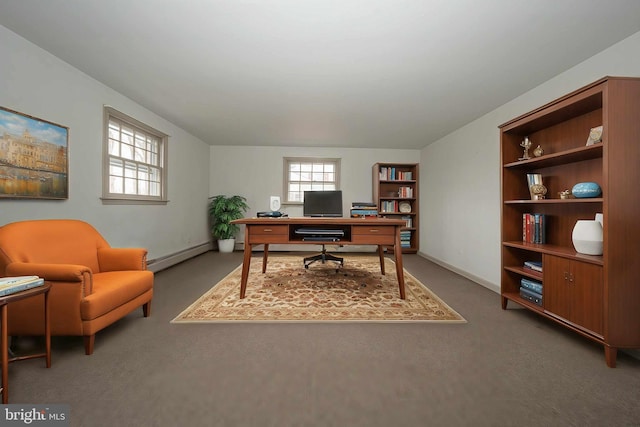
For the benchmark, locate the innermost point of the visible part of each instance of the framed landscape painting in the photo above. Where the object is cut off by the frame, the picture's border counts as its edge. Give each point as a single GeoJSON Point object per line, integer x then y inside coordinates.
{"type": "Point", "coordinates": [33, 157]}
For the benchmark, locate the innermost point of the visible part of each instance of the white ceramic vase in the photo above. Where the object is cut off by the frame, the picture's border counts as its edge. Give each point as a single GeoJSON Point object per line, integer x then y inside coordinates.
{"type": "Point", "coordinates": [226, 245]}
{"type": "Point", "coordinates": [587, 237]}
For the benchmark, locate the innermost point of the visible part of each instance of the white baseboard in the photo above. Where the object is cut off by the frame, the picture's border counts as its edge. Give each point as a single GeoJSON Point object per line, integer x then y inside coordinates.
{"type": "Point", "coordinates": [161, 263]}
{"type": "Point", "coordinates": [491, 286]}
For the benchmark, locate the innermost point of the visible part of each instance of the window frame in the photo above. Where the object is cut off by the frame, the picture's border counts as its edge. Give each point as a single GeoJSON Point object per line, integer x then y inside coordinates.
{"type": "Point", "coordinates": [324, 160]}
{"type": "Point", "coordinates": [108, 197]}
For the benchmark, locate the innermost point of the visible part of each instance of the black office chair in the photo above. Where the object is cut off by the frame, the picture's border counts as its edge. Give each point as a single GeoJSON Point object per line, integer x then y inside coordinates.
{"type": "Point", "coordinates": [324, 257]}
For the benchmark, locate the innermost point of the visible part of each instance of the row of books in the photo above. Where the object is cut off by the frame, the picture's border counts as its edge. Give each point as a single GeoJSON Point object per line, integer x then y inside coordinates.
{"type": "Point", "coordinates": [409, 220]}
{"type": "Point", "coordinates": [405, 192]}
{"type": "Point", "coordinates": [531, 291]}
{"type": "Point", "coordinates": [389, 206]}
{"type": "Point", "coordinates": [391, 174]}
{"type": "Point", "coordinates": [12, 285]}
{"type": "Point", "coordinates": [405, 239]}
{"type": "Point", "coordinates": [364, 210]}
{"type": "Point", "coordinates": [534, 228]}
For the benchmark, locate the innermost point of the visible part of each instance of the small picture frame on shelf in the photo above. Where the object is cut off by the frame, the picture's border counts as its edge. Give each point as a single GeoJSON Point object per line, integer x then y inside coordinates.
{"type": "Point", "coordinates": [595, 135]}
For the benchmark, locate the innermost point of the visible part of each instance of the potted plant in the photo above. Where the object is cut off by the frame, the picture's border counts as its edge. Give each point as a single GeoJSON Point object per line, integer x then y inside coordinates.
{"type": "Point", "coordinates": [223, 210]}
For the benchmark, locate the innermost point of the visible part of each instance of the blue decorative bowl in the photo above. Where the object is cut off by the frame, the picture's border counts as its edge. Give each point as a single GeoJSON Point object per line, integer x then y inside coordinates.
{"type": "Point", "coordinates": [584, 190]}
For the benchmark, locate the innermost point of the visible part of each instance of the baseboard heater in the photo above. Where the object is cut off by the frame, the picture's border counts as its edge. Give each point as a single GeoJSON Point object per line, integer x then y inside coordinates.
{"type": "Point", "coordinates": [158, 264]}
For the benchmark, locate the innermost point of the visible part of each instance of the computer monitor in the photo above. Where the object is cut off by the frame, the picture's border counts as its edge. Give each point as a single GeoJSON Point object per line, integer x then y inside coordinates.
{"type": "Point", "coordinates": [323, 203]}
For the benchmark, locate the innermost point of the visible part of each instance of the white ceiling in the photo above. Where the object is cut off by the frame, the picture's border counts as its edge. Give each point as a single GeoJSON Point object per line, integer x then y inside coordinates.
{"type": "Point", "coordinates": [336, 73]}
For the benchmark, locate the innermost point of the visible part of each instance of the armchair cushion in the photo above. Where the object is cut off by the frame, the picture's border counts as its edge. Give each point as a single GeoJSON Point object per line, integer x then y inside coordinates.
{"type": "Point", "coordinates": [107, 297]}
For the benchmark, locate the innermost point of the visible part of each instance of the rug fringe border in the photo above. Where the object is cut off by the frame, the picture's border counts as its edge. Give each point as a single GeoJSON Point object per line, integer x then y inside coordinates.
{"type": "Point", "coordinates": [319, 321]}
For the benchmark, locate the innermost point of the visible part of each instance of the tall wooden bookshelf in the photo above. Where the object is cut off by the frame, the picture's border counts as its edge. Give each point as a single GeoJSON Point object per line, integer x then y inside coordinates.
{"type": "Point", "coordinates": [395, 190]}
{"type": "Point", "coordinates": [595, 296]}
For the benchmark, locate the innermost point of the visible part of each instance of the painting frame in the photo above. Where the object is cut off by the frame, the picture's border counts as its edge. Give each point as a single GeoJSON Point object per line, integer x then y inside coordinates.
{"type": "Point", "coordinates": [34, 157]}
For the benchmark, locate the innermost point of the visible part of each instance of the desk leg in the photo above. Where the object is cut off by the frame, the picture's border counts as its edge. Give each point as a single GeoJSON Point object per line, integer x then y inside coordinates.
{"type": "Point", "coordinates": [265, 255]}
{"type": "Point", "coordinates": [246, 263]}
{"type": "Point", "coordinates": [5, 356]}
{"type": "Point", "coordinates": [381, 255]}
{"type": "Point", "coordinates": [397, 250]}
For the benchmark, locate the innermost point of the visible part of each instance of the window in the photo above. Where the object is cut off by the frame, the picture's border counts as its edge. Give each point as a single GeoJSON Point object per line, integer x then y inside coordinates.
{"type": "Point", "coordinates": [301, 174]}
{"type": "Point", "coordinates": [135, 163]}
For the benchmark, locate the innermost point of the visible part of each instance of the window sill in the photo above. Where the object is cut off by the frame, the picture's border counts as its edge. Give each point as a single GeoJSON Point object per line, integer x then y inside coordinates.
{"type": "Point", "coordinates": [116, 201]}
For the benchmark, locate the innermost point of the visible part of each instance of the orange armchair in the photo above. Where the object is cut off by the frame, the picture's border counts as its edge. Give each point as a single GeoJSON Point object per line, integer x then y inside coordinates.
{"type": "Point", "coordinates": [92, 284]}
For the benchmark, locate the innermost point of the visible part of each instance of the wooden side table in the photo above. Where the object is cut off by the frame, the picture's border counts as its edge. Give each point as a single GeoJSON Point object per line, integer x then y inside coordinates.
{"type": "Point", "coordinates": [4, 339]}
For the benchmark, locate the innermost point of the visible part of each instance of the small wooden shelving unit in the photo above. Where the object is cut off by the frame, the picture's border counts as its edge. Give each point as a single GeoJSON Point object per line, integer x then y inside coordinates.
{"type": "Point", "coordinates": [395, 190]}
{"type": "Point", "coordinates": [598, 297]}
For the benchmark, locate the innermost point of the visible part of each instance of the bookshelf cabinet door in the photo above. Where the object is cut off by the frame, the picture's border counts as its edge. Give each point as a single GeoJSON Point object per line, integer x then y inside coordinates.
{"type": "Point", "coordinates": [573, 290]}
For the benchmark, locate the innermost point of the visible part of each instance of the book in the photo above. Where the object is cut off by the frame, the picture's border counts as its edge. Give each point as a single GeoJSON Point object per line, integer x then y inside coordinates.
{"type": "Point", "coordinates": [15, 280]}
{"type": "Point", "coordinates": [531, 285]}
{"type": "Point", "coordinates": [364, 212]}
{"type": "Point", "coordinates": [363, 205]}
{"type": "Point", "coordinates": [12, 285]}
{"type": "Point", "coordinates": [534, 265]}
{"type": "Point", "coordinates": [526, 227]}
{"type": "Point", "coordinates": [531, 296]}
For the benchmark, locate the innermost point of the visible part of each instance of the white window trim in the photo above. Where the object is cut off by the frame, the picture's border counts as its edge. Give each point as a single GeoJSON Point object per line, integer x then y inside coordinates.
{"type": "Point", "coordinates": [126, 199]}
{"type": "Point", "coordinates": [287, 160]}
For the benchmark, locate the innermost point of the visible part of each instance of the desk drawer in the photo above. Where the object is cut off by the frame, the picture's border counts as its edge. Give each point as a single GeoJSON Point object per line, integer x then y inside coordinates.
{"type": "Point", "coordinates": [373, 234]}
{"type": "Point", "coordinates": [268, 234]}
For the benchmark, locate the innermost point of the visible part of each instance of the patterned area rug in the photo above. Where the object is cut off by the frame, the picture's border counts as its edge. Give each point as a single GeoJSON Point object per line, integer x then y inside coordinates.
{"type": "Point", "coordinates": [358, 292]}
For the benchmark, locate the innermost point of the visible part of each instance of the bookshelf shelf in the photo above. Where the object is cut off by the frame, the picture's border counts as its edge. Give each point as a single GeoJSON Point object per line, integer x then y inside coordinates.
{"type": "Point", "coordinates": [525, 272]}
{"type": "Point", "coordinates": [395, 190]}
{"type": "Point", "coordinates": [512, 296]}
{"type": "Point", "coordinates": [594, 296]}
{"type": "Point", "coordinates": [555, 250]}
{"type": "Point", "coordinates": [553, 201]}
{"type": "Point", "coordinates": [568, 156]}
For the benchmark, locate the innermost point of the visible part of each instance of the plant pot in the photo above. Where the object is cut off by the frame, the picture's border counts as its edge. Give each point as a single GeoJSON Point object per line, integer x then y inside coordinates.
{"type": "Point", "coordinates": [226, 245]}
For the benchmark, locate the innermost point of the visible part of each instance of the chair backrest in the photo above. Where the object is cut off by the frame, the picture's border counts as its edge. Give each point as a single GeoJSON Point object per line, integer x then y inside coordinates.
{"type": "Point", "coordinates": [55, 241]}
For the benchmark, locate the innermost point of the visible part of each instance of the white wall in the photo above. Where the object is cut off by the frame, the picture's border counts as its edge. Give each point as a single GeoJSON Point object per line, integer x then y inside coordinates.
{"type": "Point", "coordinates": [460, 173]}
{"type": "Point", "coordinates": [38, 84]}
{"type": "Point", "coordinates": [257, 172]}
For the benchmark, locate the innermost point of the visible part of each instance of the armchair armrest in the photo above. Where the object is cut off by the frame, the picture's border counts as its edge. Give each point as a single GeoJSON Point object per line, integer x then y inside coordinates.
{"type": "Point", "coordinates": [122, 259]}
{"type": "Point", "coordinates": [72, 273]}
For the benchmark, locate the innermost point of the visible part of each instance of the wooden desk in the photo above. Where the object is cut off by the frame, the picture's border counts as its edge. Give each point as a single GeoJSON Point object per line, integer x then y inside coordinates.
{"type": "Point", "coordinates": [4, 339]}
{"type": "Point", "coordinates": [356, 231]}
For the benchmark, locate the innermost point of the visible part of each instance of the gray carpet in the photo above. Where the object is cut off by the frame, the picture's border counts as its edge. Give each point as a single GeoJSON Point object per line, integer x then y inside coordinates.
{"type": "Point", "coordinates": [502, 368]}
